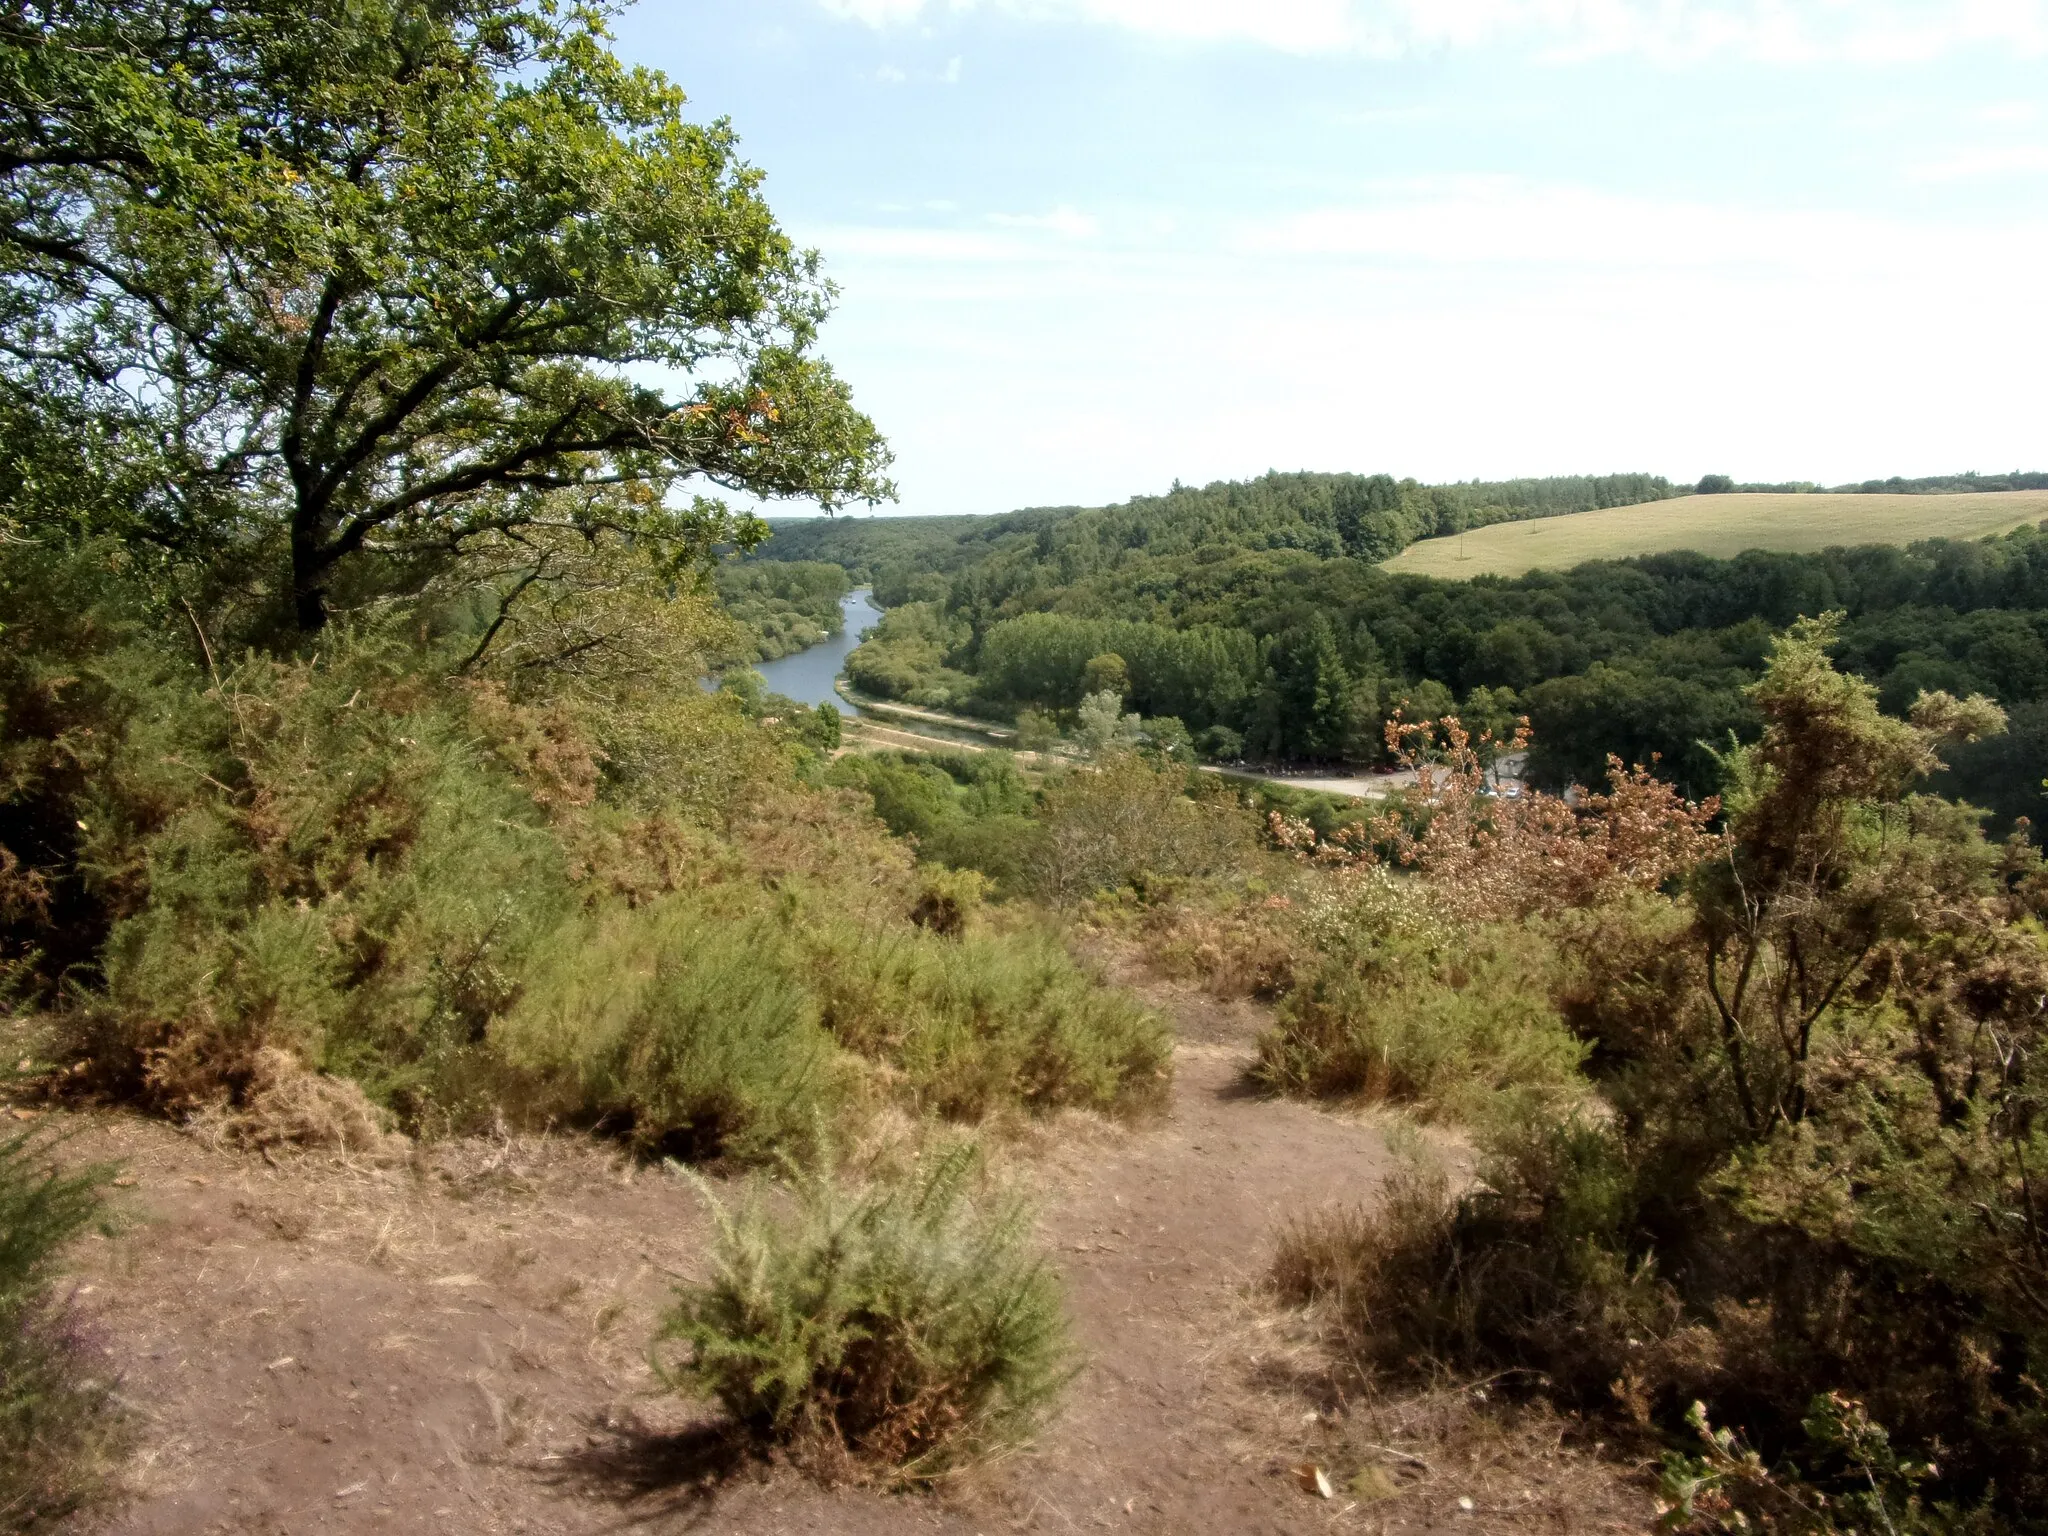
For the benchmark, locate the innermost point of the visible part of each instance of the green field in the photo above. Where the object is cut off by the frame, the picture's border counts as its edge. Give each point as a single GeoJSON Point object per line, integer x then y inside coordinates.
{"type": "Point", "coordinates": [1720, 526]}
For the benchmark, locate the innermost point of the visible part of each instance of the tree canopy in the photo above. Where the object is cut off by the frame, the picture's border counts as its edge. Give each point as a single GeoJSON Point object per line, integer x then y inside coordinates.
{"type": "Point", "coordinates": [331, 294]}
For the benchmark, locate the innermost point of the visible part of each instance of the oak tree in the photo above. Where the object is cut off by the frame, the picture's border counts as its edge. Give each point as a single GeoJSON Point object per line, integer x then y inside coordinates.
{"type": "Point", "coordinates": [334, 290]}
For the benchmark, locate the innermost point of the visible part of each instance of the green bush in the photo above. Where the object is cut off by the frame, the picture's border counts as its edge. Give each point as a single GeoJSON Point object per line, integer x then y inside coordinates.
{"type": "Point", "coordinates": [1405, 1006]}
{"type": "Point", "coordinates": [1130, 822]}
{"type": "Point", "coordinates": [687, 1028]}
{"type": "Point", "coordinates": [987, 1019]}
{"type": "Point", "coordinates": [719, 1024]}
{"type": "Point", "coordinates": [899, 1324]}
{"type": "Point", "coordinates": [58, 1428]}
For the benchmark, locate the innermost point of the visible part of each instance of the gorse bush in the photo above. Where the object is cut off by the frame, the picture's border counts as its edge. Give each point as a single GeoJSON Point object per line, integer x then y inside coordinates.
{"type": "Point", "coordinates": [688, 1029]}
{"type": "Point", "coordinates": [320, 858]}
{"type": "Point", "coordinates": [602, 897]}
{"type": "Point", "coordinates": [58, 1427]}
{"type": "Point", "coordinates": [904, 1324]}
{"type": "Point", "coordinates": [1812, 1171]}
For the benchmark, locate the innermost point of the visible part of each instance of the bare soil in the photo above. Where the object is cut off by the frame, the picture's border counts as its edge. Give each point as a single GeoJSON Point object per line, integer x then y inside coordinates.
{"type": "Point", "coordinates": [453, 1341]}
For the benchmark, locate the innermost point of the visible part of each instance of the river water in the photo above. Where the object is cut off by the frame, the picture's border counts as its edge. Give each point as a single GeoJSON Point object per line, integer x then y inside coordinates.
{"type": "Point", "coordinates": [807, 675]}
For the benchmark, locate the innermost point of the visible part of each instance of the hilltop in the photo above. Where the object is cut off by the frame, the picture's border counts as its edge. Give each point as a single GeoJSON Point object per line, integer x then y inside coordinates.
{"type": "Point", "coordinates": [1721, 526]}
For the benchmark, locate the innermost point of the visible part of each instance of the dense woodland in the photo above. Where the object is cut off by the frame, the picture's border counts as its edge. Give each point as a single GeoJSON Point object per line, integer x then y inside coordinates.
{"type": "Point", "coordinates": [1369, 516]}
{"type": "Point", "coordinates": [1245, 618]}
{"type": "Point", "coordinates": [784, 605]}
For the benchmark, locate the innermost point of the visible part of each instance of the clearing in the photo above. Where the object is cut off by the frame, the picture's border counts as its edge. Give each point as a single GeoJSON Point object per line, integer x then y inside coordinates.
{"type": "Point", "coordinates": [1720, 526]}
{"type": "Point", "coordinates": [455, 1342]}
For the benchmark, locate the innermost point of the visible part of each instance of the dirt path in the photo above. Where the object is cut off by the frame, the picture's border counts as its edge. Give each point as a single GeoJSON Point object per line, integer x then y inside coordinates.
{"type": "Point", "coordinates": [455, 1344]}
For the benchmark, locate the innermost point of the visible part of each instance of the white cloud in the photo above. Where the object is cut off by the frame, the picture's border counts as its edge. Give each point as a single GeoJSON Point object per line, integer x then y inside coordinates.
{"type": "Point", "coordinates": [877, 13]}
{"type": "Point", "coordinates": [950, 75]}
{"type": "Point", "coordinates": [1781, 31]}
{"type": "Point", "coordinates": [1443, 328]}
{"type": "Point", "coordinates": [1071, 222]}
{"type": "Point", "coordinates": [889, 74]}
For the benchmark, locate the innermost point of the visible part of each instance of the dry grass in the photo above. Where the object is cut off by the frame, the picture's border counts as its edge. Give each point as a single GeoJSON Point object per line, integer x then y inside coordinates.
{"type": "Point", "coordinates": [1477, 1454]}
{"type": "Point", "coordinates": [1721, 526]}
{"type": "Point", "coordinates": [286, 1105]}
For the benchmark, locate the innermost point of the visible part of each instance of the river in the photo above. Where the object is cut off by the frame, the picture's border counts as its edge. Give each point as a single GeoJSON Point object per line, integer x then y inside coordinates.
{"type": "Point", "coordinates": [807, 675]}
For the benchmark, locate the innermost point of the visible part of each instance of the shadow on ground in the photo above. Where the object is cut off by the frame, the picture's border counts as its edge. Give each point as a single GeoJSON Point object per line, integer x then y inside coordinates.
{"type": "Point", "coordinates": [654, 1475]}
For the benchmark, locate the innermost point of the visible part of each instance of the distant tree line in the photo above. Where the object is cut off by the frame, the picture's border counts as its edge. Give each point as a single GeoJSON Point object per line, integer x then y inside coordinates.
{"type": "Point", "coordinates": [1291, 654]}
{"type": "Point", "coordinates": [1929, 485]}
{"type": "Point", "coordinates": [1942, 485]}
{"type": "Point", "coordinates": [1369, 516]}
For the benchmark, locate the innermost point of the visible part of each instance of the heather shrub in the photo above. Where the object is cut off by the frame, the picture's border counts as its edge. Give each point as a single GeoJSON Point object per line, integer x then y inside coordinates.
{"type": "Point", "coordinates": [904, 1327]}
{"type": "Point", "coordinates": [59, 1430]}
{"type": "Point", "coordinates": [1467, 1033]}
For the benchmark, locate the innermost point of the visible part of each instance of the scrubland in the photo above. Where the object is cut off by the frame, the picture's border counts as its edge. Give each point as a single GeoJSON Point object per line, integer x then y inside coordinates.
{"type": "Point", "coordinates": [1703, 1126]}
{"type": "Point", "coordinates": [462, 1074]}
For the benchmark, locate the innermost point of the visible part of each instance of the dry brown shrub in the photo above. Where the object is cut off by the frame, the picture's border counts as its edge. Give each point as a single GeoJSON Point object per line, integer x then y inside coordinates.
{"type": "Point", "coordinates": [284, 1104]}
{"type": "Point", "coordinates": [542, 744]}
{"type": "Point", "coordinates": [1493, 856]}
{"type": "Point", "coordinates": [1245, 950]}
{"type": "Point", "coordinates": [24, 894]}
{"type": "Point", "coordinates": [1373, 1273]}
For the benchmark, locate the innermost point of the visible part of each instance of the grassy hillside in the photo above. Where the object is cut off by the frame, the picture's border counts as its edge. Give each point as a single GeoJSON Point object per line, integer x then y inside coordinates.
{"type": "Point", "coordinates": [1720, 526]}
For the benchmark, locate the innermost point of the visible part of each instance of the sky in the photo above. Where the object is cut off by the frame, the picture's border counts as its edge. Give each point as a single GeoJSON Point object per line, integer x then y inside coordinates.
{"type": "Point", "coordinates": [1090, 247]}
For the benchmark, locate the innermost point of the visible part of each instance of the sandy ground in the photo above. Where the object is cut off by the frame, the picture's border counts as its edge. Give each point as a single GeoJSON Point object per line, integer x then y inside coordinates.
{"type": "Point", "coordinates": [454, 1342]}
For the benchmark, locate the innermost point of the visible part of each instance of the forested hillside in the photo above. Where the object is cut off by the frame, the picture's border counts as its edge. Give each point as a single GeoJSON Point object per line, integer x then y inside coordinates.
{"type": "Point", "coordinates": [872, 548]}
{"type": "Point", "coordinates": [785, 605]}
{"type": "Point", "coordinates": [1293, 653]}
{"type": "Point", "coordinates": [1372, 516]}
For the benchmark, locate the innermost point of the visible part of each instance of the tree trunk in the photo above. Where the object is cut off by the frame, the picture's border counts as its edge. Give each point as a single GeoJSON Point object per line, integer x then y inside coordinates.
{"type": "Point", "coordinates": [309, 588]}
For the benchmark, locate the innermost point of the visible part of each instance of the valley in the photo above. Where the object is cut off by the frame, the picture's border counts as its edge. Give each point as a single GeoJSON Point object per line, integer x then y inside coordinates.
{"type": "Point", "coordinates": [560, 972]}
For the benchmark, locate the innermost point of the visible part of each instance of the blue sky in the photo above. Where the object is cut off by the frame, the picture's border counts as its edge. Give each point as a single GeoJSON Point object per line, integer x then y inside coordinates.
{"type": "Point", "coordinates": [1088, 247]}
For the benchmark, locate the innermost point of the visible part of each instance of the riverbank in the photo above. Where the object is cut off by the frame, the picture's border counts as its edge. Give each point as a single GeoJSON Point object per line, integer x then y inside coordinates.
{"type": "Point", "coordinates": [811, 675]}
